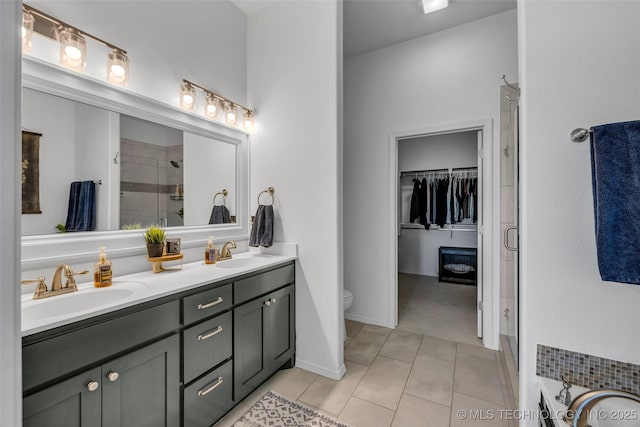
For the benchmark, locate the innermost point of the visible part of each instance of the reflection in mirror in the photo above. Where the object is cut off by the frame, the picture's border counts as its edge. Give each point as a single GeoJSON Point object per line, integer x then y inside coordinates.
{"type": "Point", "coordinates": [151, 174]}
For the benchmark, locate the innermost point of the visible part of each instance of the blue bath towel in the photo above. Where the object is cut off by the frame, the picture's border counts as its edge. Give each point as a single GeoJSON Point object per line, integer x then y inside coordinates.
{"type": "Point", "coordinates": [81, 215]}
{"type": "Point", "coordinates": [615, 169]}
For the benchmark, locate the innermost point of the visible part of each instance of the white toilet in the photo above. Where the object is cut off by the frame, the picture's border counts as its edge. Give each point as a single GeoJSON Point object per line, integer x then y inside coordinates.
{"type": "Point", "coordinates": [348, 301]}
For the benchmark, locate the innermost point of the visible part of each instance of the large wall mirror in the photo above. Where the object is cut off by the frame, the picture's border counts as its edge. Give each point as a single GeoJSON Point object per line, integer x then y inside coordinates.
{"type": "Point", "coordinates": [145, 163]}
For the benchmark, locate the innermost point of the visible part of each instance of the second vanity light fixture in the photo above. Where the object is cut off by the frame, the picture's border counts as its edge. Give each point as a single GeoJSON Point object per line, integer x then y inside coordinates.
{"type": "Point", "coordinates": [214, 104]}
{"type": "Point", "coordinates": [73, 44]}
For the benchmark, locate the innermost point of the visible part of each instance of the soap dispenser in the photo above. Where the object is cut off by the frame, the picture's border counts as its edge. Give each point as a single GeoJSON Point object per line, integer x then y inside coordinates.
{"type": "Point", "coordinates": [102, 274]}
{"type": "Point", "coordinates": [210, 253]}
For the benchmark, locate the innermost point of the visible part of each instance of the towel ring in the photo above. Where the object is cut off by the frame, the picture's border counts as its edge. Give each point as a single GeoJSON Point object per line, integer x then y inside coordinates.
{"type": "Point", "coordinates": [269, 191]}
{"type": "Point", "coordinates": [222, 193]}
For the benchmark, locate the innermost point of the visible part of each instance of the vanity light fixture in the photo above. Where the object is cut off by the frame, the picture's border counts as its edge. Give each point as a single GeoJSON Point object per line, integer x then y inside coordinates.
{"type": "Point", "coordinates": [213, 104]}
{"type": "Point", "coordinates": [27, 31]}
{"type": "Point", "coordinates": [230, 113]}
{"type": "Point", "coordinates": [73, 44]}
{"type": "Point", "coordinates": [188, 96]}
{"type": "Point", "coordinates": [429, 6]}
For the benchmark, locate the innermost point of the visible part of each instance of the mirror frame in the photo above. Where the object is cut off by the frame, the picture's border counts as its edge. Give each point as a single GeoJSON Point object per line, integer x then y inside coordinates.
{"type": "Point", "coordinates": [49, 250]}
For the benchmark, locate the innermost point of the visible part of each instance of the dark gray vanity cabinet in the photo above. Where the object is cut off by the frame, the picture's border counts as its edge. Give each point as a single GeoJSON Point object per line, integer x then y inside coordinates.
{"type": "Point", "coordinates": [264, 339]}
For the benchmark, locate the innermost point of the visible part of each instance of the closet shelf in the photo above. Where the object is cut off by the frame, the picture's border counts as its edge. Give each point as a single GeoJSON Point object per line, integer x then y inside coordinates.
{"type": "Point", "coordinates": [447, 227]}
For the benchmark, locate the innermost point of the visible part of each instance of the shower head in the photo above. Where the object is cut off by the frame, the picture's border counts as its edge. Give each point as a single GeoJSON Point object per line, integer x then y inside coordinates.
{"type": "Point", "coordinates": [176, 163]}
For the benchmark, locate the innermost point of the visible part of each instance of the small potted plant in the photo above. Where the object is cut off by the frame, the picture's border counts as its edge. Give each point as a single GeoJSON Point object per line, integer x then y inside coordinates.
{"type": "Point", "coordinates": [155, 237]}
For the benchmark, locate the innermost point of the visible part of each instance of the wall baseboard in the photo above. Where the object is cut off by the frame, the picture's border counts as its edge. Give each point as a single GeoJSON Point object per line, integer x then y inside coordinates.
{"type": "Point", "coordinates": [369, 320]}
{"type": "Point", "coordinates": [321, 370]}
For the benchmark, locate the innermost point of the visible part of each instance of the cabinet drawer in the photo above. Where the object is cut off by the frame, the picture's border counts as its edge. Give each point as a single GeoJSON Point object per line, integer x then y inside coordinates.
{"type": "Point", "coordinates": [261, 284]}
{"type": "Point", "coordinates": [207, 303]}
{"type": "Point", "coordinates": [52, 358]}
{"type": "Point", "coordinates": [207, 344]}
{"type": "Point", "coordinates": [209, 398]}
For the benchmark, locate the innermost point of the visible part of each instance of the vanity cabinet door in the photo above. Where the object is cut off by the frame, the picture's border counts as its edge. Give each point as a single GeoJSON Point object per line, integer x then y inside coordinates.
{"type": "Point", "coordinates": [71, 403]}
{"type": "Point", "coordinates": [264, 338]}
{"type": "Point", "coordinates": [142, 388]}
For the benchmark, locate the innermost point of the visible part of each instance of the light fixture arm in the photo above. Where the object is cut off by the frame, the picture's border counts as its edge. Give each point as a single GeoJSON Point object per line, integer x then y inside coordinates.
{"type": "Point", "coordinates": [59, 23]}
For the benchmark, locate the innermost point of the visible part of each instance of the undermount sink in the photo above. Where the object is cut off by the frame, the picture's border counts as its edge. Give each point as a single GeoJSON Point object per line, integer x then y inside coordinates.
{"type": "Point", "coordinates": [86, 298]}
{"type": "Point", "coordinates": [615, 412]}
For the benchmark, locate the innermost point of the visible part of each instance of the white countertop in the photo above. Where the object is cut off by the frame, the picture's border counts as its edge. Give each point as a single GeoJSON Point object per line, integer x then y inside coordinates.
{"type": "Point", "coordinates": [550, 389]}
{"type": "Point", "coordinates": [143, 287]}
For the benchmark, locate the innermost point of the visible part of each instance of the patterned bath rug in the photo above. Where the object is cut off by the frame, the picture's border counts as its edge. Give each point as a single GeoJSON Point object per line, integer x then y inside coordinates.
{"type": "Point", "coordinates": [274, 410]}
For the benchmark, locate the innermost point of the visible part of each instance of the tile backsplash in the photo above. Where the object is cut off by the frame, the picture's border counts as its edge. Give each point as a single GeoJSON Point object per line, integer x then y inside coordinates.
{"type": "Point", "coordinates": [586, 370]}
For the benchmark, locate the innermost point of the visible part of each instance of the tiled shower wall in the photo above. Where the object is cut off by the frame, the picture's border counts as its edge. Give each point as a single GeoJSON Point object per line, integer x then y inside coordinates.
{"type": "Point", "coordinates": [586, 370]}
{"type": "Point", "coordinates": [148, 180]}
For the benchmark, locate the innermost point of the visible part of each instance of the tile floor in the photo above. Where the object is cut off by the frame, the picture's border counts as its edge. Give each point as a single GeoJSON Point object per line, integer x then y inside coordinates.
{"type": "Point", "coordinates": [397, 378]}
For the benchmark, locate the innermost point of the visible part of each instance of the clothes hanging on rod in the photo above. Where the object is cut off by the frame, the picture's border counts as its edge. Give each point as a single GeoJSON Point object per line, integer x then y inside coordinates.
{"type": "Point", "coordinates": [443, 197]}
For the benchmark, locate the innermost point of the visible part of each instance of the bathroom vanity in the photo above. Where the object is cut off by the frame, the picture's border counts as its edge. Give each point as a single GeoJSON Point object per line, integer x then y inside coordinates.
{"type": "Point", "coordinates": [183, 352]}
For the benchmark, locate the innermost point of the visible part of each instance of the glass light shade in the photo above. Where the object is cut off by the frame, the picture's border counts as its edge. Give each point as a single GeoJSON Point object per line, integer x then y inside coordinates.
{"type": "Point", "coordinates": [118, 68]}
{"type": "Point", "coordinates": [73, 50]}
{"type": "Point", "coordinates": [429, 6]}
{"type": "Point", "coordinates": [187, 96]}
{"type": "Point", "coordinates": [248, 121]}
{"type": "Point", "coordinates": [211, 108]}
{"type": "Point", "coordinates": [27, 31]}
{"type": "Point", "coordinates": [230, 113]}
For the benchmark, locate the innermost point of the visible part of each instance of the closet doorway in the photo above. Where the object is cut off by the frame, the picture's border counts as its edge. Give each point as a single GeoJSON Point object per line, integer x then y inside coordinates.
{"type": "Point", "coordinates": [440, 212]}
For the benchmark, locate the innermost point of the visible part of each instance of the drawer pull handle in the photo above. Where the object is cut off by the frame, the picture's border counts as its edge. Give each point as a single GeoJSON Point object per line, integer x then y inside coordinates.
{"type": "Point", "coordinates": [209, 334]}
{"type": "Point", "coordinates": [210, 304]}
{"type": "Point", "coordinates": [93, 386]}
{"type": "Point", "coordinates": [208, 389]}
{"type": "Point", "coordinates": [113, 376]}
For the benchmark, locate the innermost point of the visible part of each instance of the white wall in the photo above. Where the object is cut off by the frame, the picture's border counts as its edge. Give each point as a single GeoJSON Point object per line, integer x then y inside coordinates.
{"type": "Point", "coordinates": [579, 68]}
{"type": "Point", "coordinates": [293, 79]}
{"type": "Point", "coordinates": [10, 154]}
{"type": "Point", "coordinates": [151, 133]}
{"type": "Point", "coordinates": [166, 41]}
{"type": "Point", "coordinates": [444, 78]}
{"type": "Point", "coordinates": [418, 248]}
{"type": "Point", "coordinates": [210, 166]}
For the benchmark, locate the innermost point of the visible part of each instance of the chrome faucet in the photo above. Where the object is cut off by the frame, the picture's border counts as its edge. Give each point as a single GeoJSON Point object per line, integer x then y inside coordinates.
{"type": "Point", "coordinates": [225, 253]}
{"type": "Point", "coordinates": [56, 286]}
{"type": "Point", "coordinates": [578, 412]}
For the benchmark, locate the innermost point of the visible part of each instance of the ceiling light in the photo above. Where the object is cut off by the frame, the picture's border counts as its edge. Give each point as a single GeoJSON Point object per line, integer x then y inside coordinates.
{"type": "Point", "coordinates": [211, 106]}
{"type": "Point", "coordinates": [73, 49]}
{"type": "Point", "coordinates": [429, 6]}
{"type": "Point", "coordinates": [27, 31]}
{"type": "Point", "coordinates": [187, 96]}
{"type": "Point", "coordinates": [118, 68]}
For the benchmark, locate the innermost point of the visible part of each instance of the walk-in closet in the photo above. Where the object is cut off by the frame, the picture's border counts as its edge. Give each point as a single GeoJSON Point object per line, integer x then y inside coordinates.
{"type": "Point", "coordinates": [439, 207]}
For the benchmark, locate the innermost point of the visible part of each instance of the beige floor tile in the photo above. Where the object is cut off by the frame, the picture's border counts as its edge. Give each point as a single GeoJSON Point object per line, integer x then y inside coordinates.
{"type": "Point", "coordinates": [384, 382]}
{"type": "Point", "coordinates": [468, 411]}
{"type": "Point", "coordinates": [438, 348]}
{"type": "Point", "coordinates": [364, 347]}
{"type": "Point", "coordinates": [291, 383]}
{"type": "Point", "coordinates": [415, 412]}
{"type": "Point", "coordinates": [431, 379]}
{"type": "Point", "coordinates": [377, 330]}
{"type": "Point", "coordinates": [353, 328]}
{"type": "Point", "coordinates": [474, 350]}
{"type": "Point", "coordinates": [233, 416]}
{"type": "Point", "coordinates": [331, 396]}
{"type": "Point", "coordinates": [401, 345]}
{"type": "Point", "coordinates": [478, 377]}
{"type": "Point", "coordinates": [360, 413]}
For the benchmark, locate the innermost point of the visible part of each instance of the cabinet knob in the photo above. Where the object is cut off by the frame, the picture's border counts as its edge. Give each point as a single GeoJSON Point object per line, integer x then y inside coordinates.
{"type": "Point", "coordinates": [113, 376]}
{"type": "Point", "coordinates": [267, 303]}
{"type": "Point", "coordinates": [93, 385]}
{"type": "Point", "coordinates": [273, 300]}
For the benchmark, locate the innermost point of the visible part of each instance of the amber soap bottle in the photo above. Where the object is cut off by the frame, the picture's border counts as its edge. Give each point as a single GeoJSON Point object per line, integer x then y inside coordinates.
{"type": "Point", "coordinates": [102, 274]}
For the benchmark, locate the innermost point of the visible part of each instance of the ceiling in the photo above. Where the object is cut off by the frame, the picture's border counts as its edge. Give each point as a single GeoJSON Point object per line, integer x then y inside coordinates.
{"type": "Point", "coordinates": [374, 24]}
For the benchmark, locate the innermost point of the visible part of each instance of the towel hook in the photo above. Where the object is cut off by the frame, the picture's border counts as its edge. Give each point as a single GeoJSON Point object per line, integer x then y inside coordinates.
{"type": "Point", "coordinates": [222, 193]}
{"type": "Point", "coordinates": [269, 191]}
